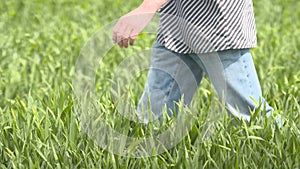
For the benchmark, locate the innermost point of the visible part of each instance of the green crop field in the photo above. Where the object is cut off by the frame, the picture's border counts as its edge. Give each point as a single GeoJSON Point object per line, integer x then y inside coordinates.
{"type": "Point", "coordinates": [40, 45]}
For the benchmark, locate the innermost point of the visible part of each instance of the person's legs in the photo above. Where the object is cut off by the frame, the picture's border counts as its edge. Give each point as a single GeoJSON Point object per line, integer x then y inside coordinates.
{"type": "Point", "coordinates": [236, 81]}
{"type": "Point", "coordinates": [171, 76]}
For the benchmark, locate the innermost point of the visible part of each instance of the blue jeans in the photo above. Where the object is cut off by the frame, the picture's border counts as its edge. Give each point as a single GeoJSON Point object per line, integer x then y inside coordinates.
{"type": "Point", "coordinates": [173, 76]}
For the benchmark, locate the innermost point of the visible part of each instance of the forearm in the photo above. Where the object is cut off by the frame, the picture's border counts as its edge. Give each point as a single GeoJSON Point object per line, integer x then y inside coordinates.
{"type": "Point", "coordinates": [153, 5]}
{"type": "Point", "coordinates": [130, 25]}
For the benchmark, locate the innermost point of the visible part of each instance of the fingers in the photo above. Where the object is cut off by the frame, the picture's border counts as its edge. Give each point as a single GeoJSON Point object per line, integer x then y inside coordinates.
{"type": "Point", "coordinates": [132, 39]}
{"type": "Point", "coordinates": [121, 39]}
{"type": "Point", "coordinates": [121, 34]}
{"type": "Point", "coordinates": [130, 25]}
{"type": "Point", "coordinates": [126, 36]}
{"type": "Point", "coordinates": [120, 42]}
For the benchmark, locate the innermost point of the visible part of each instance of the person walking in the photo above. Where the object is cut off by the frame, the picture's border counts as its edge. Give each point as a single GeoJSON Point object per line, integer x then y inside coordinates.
{"type": "Point", "coordinates": [197, 37]}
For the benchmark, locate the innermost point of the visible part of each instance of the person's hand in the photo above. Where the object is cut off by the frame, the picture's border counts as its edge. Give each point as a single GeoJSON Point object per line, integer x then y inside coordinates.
{"type": "Point", "coordinates": [130, 25]}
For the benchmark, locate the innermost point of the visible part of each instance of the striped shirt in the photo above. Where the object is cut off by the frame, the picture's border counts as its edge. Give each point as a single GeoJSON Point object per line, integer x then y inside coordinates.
{"type": "Point", "coordinates": [201, 26]}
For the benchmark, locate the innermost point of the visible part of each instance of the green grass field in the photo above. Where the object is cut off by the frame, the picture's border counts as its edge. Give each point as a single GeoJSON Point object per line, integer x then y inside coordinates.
{"type": "Point", "coordinates": [40, 41]}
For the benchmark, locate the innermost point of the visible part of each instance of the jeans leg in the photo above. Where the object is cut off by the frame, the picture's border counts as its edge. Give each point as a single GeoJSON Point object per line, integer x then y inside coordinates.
{"type": "Point", "coordinates": [171, 76]}
{"type": "Point", "coordinates": [238, 83]}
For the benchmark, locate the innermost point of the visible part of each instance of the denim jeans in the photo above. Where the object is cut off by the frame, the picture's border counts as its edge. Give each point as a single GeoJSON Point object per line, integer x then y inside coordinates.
{"type": "Point", "coordinates": [173, 76]}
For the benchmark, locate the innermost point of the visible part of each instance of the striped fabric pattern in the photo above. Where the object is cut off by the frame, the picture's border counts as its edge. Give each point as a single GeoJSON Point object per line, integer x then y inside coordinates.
{"type": "Point", "coordinates": [202, 26]}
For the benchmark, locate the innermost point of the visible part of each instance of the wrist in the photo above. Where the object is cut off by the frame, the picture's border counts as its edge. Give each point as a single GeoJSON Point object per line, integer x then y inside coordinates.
{"type": "Point", "coordinates": [152, 5]}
